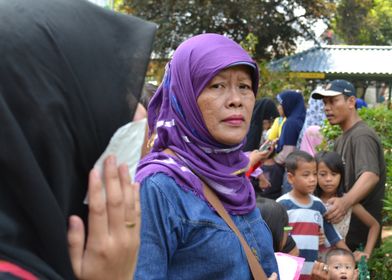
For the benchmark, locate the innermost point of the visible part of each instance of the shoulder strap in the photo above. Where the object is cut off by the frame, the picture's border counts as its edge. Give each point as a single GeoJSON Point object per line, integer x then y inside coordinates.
{"type": "Point", "coordinates": [255, 267]}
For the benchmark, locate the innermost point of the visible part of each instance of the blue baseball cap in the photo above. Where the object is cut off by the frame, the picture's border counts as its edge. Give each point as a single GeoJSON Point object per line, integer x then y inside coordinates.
{"type": "Point", "coordinates": [335, 88]}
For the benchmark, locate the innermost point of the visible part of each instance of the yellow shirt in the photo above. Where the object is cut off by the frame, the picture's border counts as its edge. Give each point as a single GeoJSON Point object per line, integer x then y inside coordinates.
{"type": "Point", "coordinates": [276, 128]}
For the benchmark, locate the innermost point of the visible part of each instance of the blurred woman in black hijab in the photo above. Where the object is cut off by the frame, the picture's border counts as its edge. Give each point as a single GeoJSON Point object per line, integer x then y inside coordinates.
{"type": "Point", "coordinates": [66, 69]}
{"type": "Point", "coordinates": [265, 109]}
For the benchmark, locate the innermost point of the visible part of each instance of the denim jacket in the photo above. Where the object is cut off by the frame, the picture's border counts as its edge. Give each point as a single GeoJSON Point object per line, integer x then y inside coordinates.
{"type": "Point", "coordinates": [182, 238]}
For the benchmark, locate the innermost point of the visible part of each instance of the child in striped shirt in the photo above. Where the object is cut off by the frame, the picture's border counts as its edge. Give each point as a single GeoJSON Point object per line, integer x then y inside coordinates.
{"type": "Point", "coordinates": [306, 211]}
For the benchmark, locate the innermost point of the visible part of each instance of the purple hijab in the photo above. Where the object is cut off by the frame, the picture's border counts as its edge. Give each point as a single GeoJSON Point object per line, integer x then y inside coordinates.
{"type": "Point", "coordinates": [174, 115]}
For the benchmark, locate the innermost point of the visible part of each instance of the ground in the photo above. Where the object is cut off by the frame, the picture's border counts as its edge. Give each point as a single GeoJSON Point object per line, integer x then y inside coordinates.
{"type": "Point", "coordinates": [386, 231]}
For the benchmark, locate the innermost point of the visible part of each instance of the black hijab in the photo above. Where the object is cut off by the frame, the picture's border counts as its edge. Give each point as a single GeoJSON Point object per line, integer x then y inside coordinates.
{"type": "Point", "coordinates": [265, 109]}
{"type": "Point", "coordinates": [66, 70]}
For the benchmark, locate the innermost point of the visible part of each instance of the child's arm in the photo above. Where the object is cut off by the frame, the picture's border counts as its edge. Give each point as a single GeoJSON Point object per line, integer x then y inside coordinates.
{"type": "Point", "coordinates": [334, 237]}
{"type": "Point", "coordinates": [374, 230]}
{"type": "Point", "coordinates": [342, 245]}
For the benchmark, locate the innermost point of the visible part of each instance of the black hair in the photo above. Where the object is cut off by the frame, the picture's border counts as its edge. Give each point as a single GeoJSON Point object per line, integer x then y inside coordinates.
{"type": "Point", "coordinates": [293, 158]}
{"type": "Point", "coordinates": [335, 163]}
{"type": "Point", "coordinates": [275, 216]}
{"type": "Point", "coordinates": [147, 93]}
{"type": "Point", "coordinates": [338, 252]}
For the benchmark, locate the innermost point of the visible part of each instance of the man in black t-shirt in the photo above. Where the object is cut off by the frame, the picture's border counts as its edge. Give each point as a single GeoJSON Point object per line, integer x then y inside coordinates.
{"type": "Point", "coordinates": [363, 155]}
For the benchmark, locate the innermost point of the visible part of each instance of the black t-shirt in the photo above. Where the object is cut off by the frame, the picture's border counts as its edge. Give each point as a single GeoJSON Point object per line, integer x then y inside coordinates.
{"type": "Point", "coordinates": [362, 151]}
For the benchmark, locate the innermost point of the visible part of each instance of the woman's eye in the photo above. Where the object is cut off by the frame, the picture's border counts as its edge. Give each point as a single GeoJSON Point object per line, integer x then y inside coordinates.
{"type": "Point", "coordinates": [216, 86]}
{"type": "Point", "coordinates": [245, 86]}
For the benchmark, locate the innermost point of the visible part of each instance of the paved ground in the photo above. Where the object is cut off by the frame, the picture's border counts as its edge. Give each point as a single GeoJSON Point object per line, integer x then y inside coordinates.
{"type": "Point", "coordinates": [386, 231]}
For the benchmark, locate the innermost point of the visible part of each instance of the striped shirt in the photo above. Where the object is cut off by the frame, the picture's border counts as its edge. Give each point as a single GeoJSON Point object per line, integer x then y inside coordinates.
{"type": "Point", "coordinates": [306, 220]}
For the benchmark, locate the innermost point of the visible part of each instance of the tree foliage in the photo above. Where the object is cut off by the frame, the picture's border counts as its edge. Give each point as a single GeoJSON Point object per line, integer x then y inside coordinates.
{"type": "Point", "coordinates": [276, 23]}
{"type": "Point", "coordinates": [364, 22]}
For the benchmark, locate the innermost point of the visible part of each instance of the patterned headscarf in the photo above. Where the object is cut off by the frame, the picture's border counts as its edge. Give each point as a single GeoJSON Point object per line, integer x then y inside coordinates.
{"type": "Point", "coordinates": [315, 115]}
{"type": "Point", "coordinates": [175, 117]}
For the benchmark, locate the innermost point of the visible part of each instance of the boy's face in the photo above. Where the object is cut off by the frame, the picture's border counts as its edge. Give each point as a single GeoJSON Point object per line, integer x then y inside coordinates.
{"type": "Point", "coordinates": [304, 179]}
{"type": "Point", "coordinates": [342, 267]}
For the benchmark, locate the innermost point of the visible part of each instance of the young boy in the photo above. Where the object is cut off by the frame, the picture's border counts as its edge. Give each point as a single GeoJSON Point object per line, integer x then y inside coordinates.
{"type": "Point", "coordinates": [341, 265]}
{"type": "Point", "coordinates": [306, 211]}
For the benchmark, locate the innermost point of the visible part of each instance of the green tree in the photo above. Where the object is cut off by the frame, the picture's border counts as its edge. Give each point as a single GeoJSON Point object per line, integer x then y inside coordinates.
{"type": "Point", "coordinates": [276, 23]}
{"type": "Point", "coordinates": [364, 22]}
{"type": "Point", "coordinates": [378, 29]}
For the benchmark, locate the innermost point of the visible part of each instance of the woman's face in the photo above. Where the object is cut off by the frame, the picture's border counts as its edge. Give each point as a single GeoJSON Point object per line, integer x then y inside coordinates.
{"type": "Point", "coordinates": [280, 110]}
{"type": "Point", "coordinates": [226, 104]}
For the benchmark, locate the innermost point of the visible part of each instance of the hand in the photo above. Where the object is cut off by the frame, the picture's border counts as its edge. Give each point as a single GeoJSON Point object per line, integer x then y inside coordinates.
{"type": "Point", "coordinates": [337, 208]}
{"type": "Point", "coordinates": [319, 271]}
{"type": "Point", "coordinates": [112, 246]}
{"type": "Point", "coordinates": [273, 276]}
{"type": "Point", "coordinates": [257, 156]}
{"type": "Point", "coordinates": [359, 254]}
{"type": "Point", "coordinates": [263, 182]}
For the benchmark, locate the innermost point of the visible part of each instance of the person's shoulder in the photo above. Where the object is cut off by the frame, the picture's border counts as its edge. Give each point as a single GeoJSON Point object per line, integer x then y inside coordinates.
{"type": "Point", "coordinates": [362, 128]}
{"type": "Point", "coordinates": [158, 179]}
{"type": "Point", "coordinates": [283, 198]}
{"type": "Point", "coordinates": [316, 200]}
{"type": "Point", "coordinates": [286, 201]}
{"type": "Point", "coordinates": [163, 186]}
{"type": "Point", "coordinates": [358, 133]}
{"type": "Point", "coordinates": [362, 131]}
{"type": "Point", "coordinates": [159, 183]}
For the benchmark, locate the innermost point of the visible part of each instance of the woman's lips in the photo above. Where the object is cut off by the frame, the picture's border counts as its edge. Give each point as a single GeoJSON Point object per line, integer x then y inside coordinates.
{"type": "Point", "coordinates": [234, 120]}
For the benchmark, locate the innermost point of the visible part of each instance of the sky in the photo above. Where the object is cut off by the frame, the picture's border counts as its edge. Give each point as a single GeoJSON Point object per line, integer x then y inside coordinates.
{"type": "Point", "coordinates": [302, 44]}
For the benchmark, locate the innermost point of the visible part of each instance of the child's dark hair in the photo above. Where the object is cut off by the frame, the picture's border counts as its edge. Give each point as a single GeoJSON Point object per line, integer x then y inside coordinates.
{"type": "Point", "coordinates": [338, 252]}
{"type": "Point", "coordinates": [335, 163]}
{"type": "Point", "coordinates": [292, 160]}
{"type": "Point", "coordinates": [276, 218]}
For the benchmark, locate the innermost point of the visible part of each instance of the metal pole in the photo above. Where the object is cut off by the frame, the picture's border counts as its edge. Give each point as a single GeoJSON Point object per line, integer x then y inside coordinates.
{"type": "Point", "coordinates": [389, 94]}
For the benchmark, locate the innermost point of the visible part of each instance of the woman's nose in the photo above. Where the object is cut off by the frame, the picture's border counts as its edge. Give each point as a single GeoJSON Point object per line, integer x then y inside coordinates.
{"type": "Point", "coordinates": [234, 97]}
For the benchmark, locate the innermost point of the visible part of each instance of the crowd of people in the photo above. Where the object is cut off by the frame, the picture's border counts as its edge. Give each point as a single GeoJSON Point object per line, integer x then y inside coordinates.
{"type": "Point", "coordinates": [223, 182]}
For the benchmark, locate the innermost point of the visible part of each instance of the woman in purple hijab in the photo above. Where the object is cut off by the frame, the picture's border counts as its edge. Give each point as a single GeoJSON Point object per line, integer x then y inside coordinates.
{"type": "Point", "coordinates": [201, 112]}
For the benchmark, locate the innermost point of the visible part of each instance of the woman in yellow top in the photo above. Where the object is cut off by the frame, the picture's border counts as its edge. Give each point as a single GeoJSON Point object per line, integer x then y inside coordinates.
{"type": "Point", "coordinates": [276, 128]}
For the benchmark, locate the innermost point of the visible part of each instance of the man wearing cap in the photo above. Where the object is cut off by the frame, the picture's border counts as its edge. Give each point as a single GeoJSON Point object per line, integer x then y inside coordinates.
{"type": "Point", "coordinates": [363, 155]}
